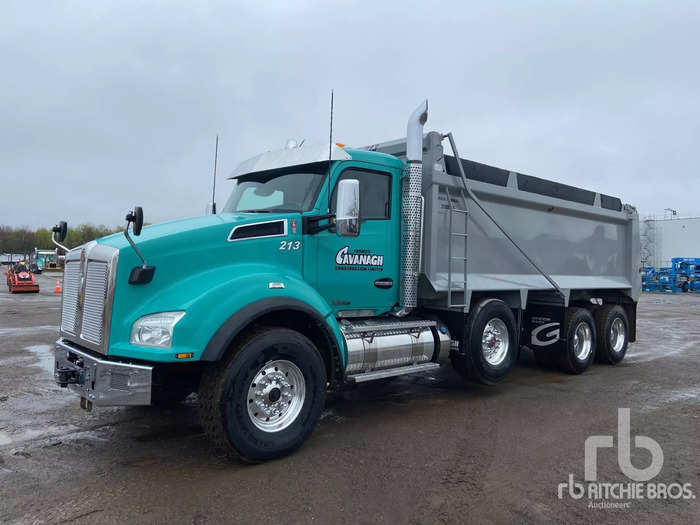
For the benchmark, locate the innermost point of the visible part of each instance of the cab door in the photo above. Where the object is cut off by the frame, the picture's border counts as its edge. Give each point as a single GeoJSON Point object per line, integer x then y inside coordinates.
{"type": "Point", "coordinates": [360, 275]}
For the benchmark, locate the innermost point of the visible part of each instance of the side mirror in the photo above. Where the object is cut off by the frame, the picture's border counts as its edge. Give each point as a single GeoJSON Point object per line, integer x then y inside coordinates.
{"type": "Point", "coordinates": [61, 230]}
{"type": "Point", "coordinates": [139, 274]}
{"type": "Point", "coordinates": [136, 217]}
{"type": "Point", "coordinates": [347, 208]}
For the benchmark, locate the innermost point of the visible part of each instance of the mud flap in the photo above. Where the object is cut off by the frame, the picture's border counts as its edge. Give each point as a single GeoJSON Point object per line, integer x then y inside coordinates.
{"type": "Point", "coordinates": [543, 328]}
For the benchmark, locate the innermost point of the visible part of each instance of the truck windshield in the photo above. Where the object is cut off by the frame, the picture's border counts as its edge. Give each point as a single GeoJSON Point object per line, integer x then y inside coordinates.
{"type": "Point", "coordinates": [274, 192]}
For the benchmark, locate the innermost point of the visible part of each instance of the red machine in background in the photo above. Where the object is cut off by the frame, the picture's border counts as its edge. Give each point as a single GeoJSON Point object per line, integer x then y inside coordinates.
{"type": "Point", "coordinates": [20, 279]}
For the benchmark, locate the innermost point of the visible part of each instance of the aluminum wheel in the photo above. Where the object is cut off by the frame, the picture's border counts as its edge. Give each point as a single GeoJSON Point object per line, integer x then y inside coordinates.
{"type": "Point", "coordinates": [495, 341]}
{"type": "Point", "coordinates": [276, 395]}
{"type": "Point", "coordinates": [583, 341]}
{"type": "Point", "coordinates": [618, 335]}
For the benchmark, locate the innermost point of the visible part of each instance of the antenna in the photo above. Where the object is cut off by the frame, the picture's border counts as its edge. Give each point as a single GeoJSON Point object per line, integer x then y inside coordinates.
{"type": "Point", "coordinates": [213, 190]}
{"type": "Point", "coordinates": [330, 153]}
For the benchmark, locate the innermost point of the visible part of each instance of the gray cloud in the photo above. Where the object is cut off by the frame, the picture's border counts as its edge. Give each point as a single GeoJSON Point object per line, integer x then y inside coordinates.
{"type": "Point", "coordinates": [104, 106]}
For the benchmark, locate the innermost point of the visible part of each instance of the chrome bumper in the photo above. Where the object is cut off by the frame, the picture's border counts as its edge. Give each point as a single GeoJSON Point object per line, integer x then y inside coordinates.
{"type": "Point", "coordinates": [100, 382]}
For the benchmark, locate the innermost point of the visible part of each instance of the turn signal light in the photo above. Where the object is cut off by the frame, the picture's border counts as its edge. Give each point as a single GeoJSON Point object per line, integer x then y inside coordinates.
{"type": "Point", "coordinates": [184, 356]}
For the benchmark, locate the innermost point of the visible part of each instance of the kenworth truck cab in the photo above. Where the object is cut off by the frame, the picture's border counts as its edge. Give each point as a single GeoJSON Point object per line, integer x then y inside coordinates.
{"type": "Point", "coordinates": [330, 266]}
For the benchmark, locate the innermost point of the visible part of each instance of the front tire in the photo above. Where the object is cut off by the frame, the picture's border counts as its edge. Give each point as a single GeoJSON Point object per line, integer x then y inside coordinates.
{"type": "Point", "coordinates": [266, 398]}
{"type": "Point", "coordinates": [489, 348]}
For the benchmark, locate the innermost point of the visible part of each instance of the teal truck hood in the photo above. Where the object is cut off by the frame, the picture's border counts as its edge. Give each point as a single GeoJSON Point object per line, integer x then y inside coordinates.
{"type": "Point", "coordinates": [192, 226]}
{"type": "Point", "coordinates": [199, 270]}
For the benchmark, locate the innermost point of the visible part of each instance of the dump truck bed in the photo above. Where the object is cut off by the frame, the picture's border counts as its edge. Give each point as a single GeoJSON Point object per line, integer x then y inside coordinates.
{"type": "Point", "coordinates": [584, 240]}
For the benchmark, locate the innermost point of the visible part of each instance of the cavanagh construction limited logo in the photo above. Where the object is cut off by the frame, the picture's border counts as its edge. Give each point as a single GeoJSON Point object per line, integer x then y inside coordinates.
{"type": "Point", "coordinates": [358, 260]}
{"type": "Point", "coordinates": [620, 495]}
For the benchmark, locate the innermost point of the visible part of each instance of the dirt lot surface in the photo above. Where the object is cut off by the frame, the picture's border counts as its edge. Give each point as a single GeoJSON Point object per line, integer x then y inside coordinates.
{"type": "Point", "coordinates": [420, 449]}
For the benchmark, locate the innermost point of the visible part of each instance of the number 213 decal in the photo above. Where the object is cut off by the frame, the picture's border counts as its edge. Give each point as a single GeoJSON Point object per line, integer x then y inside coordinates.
{"type": "Point", "coordinates": [290, 245]}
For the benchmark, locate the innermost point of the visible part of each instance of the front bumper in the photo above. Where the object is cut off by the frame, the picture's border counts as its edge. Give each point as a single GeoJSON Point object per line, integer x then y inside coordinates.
{"type": "Point", "coordinates": [101, 382]}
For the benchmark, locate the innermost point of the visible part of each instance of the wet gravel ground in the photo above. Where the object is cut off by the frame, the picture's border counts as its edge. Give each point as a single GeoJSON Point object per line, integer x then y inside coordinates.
{"type": "Point", "coordinates": [420, 449]}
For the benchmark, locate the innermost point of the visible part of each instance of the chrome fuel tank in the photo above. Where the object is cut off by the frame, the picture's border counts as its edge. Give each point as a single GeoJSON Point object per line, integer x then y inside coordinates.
{"type": "Point", "coordinates": [375, 344]}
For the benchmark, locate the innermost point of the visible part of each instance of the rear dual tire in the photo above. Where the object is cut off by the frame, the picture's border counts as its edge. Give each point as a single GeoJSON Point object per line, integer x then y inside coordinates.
{"type": "Point", "coordinates": [613, 334]}
{"type": "Point", "coordinates": [577, 351]}
{"type": "Point", "coordinates": [602, 336]}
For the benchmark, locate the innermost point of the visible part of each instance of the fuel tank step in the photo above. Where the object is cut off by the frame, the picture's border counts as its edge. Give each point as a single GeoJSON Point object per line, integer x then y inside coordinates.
{"type": "Point", "coordinates": [401, 370]}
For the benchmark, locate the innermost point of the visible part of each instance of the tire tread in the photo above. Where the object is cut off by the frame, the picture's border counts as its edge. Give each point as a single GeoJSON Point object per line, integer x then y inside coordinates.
{"type": "Point", "coordinates": [210, 394]}
{"type": "Point", "coordinates": [463, 362]}
{"type": "Point", "coordinates": [565, 359]}
{"type": "Point", "coordinates": [602, 316]}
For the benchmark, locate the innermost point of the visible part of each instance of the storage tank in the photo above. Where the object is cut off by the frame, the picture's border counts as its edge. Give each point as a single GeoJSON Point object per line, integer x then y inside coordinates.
{"type": "Point", "coordinates": [664, 239]}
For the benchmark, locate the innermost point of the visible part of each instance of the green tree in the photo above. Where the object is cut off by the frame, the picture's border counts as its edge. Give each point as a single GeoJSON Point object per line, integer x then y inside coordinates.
{"type": "Point", "coordinates": [43, 239]}
{"type": "Point", "coordinates": [23, 240]}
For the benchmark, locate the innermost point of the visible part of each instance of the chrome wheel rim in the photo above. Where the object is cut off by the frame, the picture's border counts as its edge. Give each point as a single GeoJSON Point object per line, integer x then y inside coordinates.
{"type": "Point", "coordinates": [618, 335]}
{"type": "Point", "coordinates": [276, 395]}
{"type": "Point", "coordinates": [495, 342]}
{"type": "Point", "coordinates": [583, 341]}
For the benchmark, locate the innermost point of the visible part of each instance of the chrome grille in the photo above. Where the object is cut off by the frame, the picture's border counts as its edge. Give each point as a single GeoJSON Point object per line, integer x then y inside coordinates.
{"type": "Point", "coordinates": [71, 287]}
{"type": "Point", "coordinates": [88, 294]}
{"type": "Point", "coordinates": [94, 302]}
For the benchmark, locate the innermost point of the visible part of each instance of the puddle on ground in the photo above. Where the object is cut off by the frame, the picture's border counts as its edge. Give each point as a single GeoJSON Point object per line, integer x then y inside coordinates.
{"type": "Point", "coordinates": [22, 330]}
{"type": "Point", "coordinates": [45, 355]}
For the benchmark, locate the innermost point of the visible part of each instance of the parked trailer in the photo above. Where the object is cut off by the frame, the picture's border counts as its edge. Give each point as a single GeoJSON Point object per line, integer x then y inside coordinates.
{"type": "Point", "coordinates": [330, 266]}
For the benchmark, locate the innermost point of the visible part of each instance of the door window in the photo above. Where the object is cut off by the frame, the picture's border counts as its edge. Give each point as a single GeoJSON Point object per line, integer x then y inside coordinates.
{"type": "Point", "coordinates": [375, 193]}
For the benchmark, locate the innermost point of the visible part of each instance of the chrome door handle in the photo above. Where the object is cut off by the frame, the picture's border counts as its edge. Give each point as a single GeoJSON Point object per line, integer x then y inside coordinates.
{"type": "Point", "coordinates": [385, 282]}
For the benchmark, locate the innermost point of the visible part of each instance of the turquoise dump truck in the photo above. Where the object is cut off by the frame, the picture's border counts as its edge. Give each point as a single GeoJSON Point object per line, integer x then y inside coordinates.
{"type": "Point", "coordinates": [330, 266]}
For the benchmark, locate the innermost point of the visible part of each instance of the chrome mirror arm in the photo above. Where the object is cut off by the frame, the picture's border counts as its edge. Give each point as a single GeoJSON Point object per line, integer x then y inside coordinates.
{"type": "Point", "coordinates": [133, 245]}
{"type": "Point", "coordinates": [53, 239]}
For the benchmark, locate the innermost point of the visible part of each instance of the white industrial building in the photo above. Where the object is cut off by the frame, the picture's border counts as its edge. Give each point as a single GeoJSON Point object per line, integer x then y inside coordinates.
{"type": "Point", "coordinates": [664, 239]}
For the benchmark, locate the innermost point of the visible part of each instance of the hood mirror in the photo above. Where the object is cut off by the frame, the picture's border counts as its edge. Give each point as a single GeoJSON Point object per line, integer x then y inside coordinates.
{"type": "Point", "coordinates": [61, 230]}
{"type": "Point", "coordinates": [136, 218]}
{"type": "Point", "coordinates": [58, 235]}
{"type": "Point", "coordinates": [139, 274]}
{"type": "Point", "coordinates": [347, 214]}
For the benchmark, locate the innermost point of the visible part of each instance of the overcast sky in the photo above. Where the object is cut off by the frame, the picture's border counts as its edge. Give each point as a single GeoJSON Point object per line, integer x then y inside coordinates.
{"type": "Point", "coordinates": [104, 105]}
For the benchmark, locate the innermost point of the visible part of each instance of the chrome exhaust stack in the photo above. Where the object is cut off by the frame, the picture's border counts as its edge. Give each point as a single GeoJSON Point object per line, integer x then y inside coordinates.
{"type": "Point", "coordinates": [411, 210]}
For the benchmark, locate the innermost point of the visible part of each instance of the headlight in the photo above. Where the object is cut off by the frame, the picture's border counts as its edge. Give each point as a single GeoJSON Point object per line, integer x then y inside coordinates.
{"type": "Point", "coordinates": [155, 329]}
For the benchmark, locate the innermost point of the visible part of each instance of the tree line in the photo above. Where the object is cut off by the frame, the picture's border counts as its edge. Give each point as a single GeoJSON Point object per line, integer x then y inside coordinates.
{"type": "Point", "coordinates": [22, 241]}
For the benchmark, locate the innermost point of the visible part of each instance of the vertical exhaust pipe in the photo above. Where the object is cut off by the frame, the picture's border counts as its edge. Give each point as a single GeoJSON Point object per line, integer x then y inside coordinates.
{"type": "Point", "coordinates": [411, 210]}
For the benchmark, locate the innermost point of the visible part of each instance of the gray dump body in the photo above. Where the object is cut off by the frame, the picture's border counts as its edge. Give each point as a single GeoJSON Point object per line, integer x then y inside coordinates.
{"type": "Point", "coordinates": [584, 240]}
